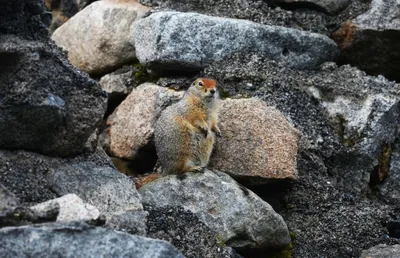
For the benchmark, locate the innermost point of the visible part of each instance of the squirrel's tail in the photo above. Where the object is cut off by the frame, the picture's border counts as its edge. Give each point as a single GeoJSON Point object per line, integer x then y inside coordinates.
{"type": "Point", "coordinates": [146, 179]}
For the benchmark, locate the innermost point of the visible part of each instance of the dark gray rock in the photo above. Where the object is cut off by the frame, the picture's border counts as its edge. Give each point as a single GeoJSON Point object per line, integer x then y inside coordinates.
{"type": "Point", "coordinates": [382, 251]}
{"type": "Point", "coordinates": [371, 41]}
{"type": "Point", "coordinates": [79, 240]}
{"type": "Point", "coordinates": [36, 178]}
{"type": "Point", "coordinates": [46, 105]}
{"type": "Point", "coordinates": [186, 232]}
{"type": "Point", "coordinates": [239, 217]}
{"type": "Point", "coordinates": [389, 190]}
{"type": "Point", "coordinates": [173, 41]}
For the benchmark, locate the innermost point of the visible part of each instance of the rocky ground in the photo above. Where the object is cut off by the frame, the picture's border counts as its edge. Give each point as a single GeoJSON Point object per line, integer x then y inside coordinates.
{"type": "Point", "coordinates": [308, 164]}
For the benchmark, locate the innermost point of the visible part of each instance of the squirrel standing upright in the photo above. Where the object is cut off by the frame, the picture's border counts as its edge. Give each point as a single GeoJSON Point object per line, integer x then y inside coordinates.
{"type": "Point", "coordinates": [185, 132]}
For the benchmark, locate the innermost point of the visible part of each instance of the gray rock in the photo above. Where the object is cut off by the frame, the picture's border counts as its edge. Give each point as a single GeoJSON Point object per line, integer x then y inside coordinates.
{"type": "Point", "coordinates": [371, 40]}
{"type": "Point", "coordinates": [97, 38]}
{"type": "Point", "coordinates": [190, 41]}
{"type": "Point", "coordinates": [238, 216]}
{"type": "Point", "coordinates": [186, 232]}
{"type": "Point", "coordinates": [36, 178]}
{"type": "Point", "coordinates": [382, 251]}
{"type": "Point", "coordinates": [306, 17]}
{"type": "Point", "coordinates": [46, 105]}
{"type": "Point", "coordinates": [8, 201]}
{"type": "Point", "coordinates": [71, 208]}
{"type": "Point", "coordinates": [79, 240]}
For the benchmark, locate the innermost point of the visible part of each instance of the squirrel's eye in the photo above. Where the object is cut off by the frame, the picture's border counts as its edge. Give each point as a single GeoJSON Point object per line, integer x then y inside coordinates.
{"type": "Point", "coordinates": [201, 84]}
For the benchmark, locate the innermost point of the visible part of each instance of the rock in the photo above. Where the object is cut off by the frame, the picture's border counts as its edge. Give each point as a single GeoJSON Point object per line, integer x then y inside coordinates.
{"type": "Point", "coordinates": [305, 16]}
{"type": "Point", "coordinates": [238, 216]}
{"type": "Point", "coordinates": [47, 106]}
{"type": "Point", "coordinates": [8, 201]}
{"type": "Point", "coordinates": [97, 38]}
{"type": "Point", "coordinates": [120, 83]}
{"type": "Point", "coordinates": [329, 6]}
{"type": "Point", "coordinates": [382, 251]}
{"type": "Point", "coordinates": [79, 240]}
{"type": "Point", "coordinates": [173, 41]}
{"type": "Point", "coordinates": [371, 40]}
{"type": "Point", "coordinates": [35, 178]}
{"type": "Point", "coordinates": [71, 208]}
{"type": "Point", "coordinates": [186, 232]}
{"type": "Point", "coordinates": [394, 228]}
{"type": "Point", "coordinates": [131, 126]}
{"type": "Point", "coordinates": [258, 143]}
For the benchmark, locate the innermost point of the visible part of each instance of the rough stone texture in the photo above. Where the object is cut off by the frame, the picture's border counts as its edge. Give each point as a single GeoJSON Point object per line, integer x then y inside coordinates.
{"type": "Point", "coordinates": [305, 16]}
{"type": "Point", "coordinates": [97, 38]}
{"type": "Point", "coordinates": [239, 217]}
{"type": "Point", "coordinates": [349, 118]}
{"type": "Point", "coordinates": [382, 251]}
{"type": "Point", "coordinates": [257, 142]}
{"type": "Point", "coordinates": [34, 178]}
{"type": "Point", "coordinates": [71, 208]}
{"type": "Point", "coordinates": [131, 126]}
{"type": "Point", "coordinates": [190, 41]}
{"type": "Point", "coordinates": [8, 201]}
{"type": "Point", "coordinates": [328, 6]}
{"type": "Point", "coordinates": [186, 232]}
{"type": "Point", "coordinates": [328, 208]}
{"type": "Point", "coordinates": [46, 105]}
{"type": "Point", "coordinates": [79, 240]}
{"type": "Point", "coordinates": [371, 41]}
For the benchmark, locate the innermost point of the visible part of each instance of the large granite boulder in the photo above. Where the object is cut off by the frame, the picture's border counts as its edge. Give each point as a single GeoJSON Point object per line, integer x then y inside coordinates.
{"type": "Point", "coordinates": [97, 38]}
{"type": "Point", "coordinates": [382, 251]}
{"type": "Point", "coordinates": [240, 218]}
{"type": "Point", "coordinates": [258, 143]}
{"type": "Point", "coordinates": [174, 41]}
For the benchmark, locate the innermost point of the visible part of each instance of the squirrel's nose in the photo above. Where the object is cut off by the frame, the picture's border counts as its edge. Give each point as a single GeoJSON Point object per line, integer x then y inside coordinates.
{"type": "Point", "coordinates": [212, 91]}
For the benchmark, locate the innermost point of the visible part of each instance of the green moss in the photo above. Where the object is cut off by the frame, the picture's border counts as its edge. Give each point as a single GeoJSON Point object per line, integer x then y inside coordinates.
{"type": "Point", "coordinates": [382, 170]}
{"type": "Point", "coordinates": [220, 241]}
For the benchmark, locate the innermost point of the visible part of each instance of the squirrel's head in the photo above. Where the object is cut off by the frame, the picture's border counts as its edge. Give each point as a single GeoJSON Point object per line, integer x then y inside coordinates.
{"type": "Point", "coordinates": [204, 88]}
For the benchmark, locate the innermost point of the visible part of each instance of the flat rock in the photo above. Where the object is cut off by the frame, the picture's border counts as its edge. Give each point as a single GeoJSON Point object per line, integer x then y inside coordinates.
{"type": "Point", "coordinates": [371, 40]}
{"type": "Point", "coordinates": [240, 218]}
{"type": "Point", "coordinates": [71, 208]}
{"type": "Point", "coordinates": [46, 105]}
{"type": "Point", "coordinates": [190, 41]}
{"type": "Point", "coordinates": [257, 142]}
{"type": "Point", "coordinates": [382, 251]}
{"type": "Point", "coordinates": [97, 38]}
{"type": "Point", "coordinates": [35, 178]}
{"type": "Point", "coordinates": [79, 240]}
{"type": "Point", "coordinates": [131, 126]}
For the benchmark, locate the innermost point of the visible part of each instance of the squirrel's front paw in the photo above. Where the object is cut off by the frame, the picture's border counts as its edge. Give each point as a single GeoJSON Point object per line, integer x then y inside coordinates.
{"type": "Point", "coordinates": [204, 130]}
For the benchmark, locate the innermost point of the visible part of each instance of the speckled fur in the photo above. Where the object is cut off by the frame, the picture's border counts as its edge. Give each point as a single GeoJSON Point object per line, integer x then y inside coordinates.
{"type": "Point", "coordinates": [185, 132]}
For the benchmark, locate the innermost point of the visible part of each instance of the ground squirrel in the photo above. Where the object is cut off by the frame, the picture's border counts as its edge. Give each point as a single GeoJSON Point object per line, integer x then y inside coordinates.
{"type": "Point", "coordinates": [185, 132]}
